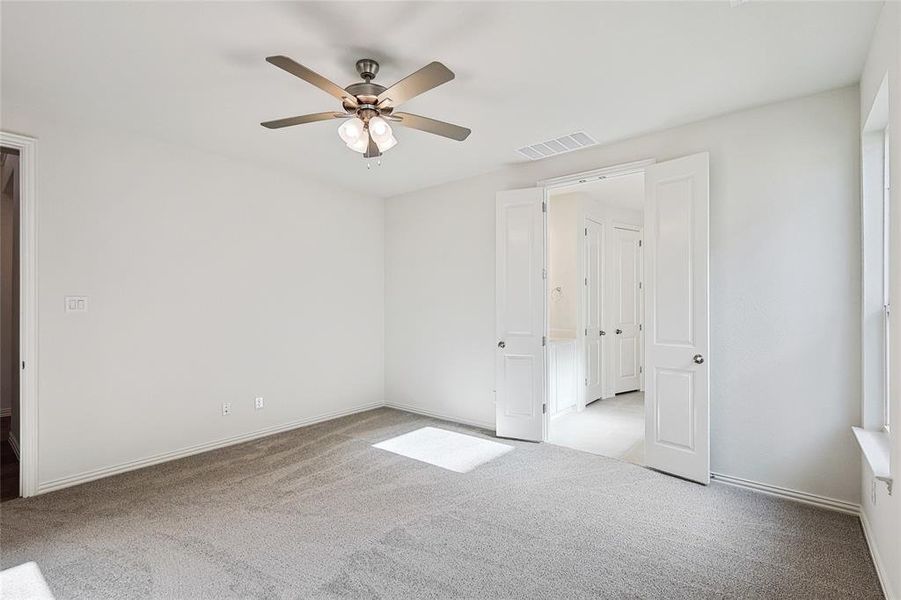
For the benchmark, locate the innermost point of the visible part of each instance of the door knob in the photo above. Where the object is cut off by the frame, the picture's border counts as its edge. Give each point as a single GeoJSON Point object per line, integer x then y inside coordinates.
{"type": "Point", "coordinates": [619, 331]}
{"type": "Point", "coordinates": [698, 359]}
{"type": "Point", "coordinates": [501, 344]}
{"type": "Point", "coordinates": [603, 332]}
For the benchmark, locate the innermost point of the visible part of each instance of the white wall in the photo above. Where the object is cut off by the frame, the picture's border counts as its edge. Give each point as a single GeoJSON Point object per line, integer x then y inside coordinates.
{"type": "Point", "coordinates": [883, 517]}
{"type": "Point", "coordinates": [564, 216]}
{"type": "Point", "coordinates": [785, 287]}
{"type": "Point", "coordinates": [614, 214]}
{"type": "Point", "coordinates": [209, 281]}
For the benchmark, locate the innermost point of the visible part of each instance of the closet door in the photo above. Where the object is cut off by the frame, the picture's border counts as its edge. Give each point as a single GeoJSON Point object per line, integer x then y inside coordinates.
{"type": "Point", "coordinates": [627, 309]}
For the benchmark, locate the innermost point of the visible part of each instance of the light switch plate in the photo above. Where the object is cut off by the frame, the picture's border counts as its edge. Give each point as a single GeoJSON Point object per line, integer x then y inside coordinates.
{"type": "Point", "coordinates": [76, 304]}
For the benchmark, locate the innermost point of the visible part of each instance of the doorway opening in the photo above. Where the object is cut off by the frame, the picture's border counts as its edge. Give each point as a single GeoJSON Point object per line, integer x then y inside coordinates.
{"type": "Point", "coordinates": [9, 323]}
{"type": "Point", "coordinates": [673, 317]}
{"type": "Point", "coordinates": [595, 358]}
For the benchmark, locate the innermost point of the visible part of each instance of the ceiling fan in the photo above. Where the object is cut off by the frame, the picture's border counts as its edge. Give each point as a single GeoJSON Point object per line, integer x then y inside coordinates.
{"type": "Point", "coordinates": [368, 107]}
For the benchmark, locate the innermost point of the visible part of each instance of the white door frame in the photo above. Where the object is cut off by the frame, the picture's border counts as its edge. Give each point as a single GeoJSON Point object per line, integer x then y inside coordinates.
{"type": "Point", "coordinates": [568, 181]}
{"type": "Point", "coordinates": [28, 340]}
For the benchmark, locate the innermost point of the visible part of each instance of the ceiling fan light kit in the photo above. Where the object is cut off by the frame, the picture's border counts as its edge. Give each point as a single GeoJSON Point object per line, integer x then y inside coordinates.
{"type": "Point", "coordinates": [368, 106]}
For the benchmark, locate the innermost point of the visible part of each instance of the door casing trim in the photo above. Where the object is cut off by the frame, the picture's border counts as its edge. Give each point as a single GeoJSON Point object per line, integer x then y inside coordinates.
{"type": "Point", "coordinates": [28, 314]}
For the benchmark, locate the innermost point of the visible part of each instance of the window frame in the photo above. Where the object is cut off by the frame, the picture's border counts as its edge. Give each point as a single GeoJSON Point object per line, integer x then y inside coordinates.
{"type": "Point", "coordinates": [886, 281]}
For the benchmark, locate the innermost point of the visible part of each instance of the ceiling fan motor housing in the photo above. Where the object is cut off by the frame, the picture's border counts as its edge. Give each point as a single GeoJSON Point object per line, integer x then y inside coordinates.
{"type": "Point", "coordinates": [367, 95]}
{"type": "Point", "coordinates": [366, 92]}
{"type": "Point", "coordinates": [367, 68]}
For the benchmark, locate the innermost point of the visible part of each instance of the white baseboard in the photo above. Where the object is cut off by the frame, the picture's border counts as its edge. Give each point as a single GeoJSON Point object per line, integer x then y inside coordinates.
{"type": "Point", "coordinates": [14, 443]}
{"type": "Point", "coordinates": [436, 415]}
{"type": "Point", "coordinates": [781, 492]}
{"type": "Point", "coordinates": [64, 482]}
{"type": "Point", "coordinates": [6, 412]}
{"type": "Point", "coordinates": [881, 571]}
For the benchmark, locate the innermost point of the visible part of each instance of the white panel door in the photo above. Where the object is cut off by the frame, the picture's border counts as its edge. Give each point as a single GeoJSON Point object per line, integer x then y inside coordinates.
{"type": "Point", "coordinates": [677, 379]}
{"type": "Point", "coordinates": [520, 298]}
{"type": "Point", "coordinates": [594, 310]}
{"type": "Point", "coordinates": [627, 309]}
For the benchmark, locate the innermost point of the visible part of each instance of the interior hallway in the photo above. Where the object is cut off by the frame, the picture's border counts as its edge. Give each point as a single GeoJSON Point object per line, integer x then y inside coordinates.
{"type": "Point", "coordinates": [613, 427]}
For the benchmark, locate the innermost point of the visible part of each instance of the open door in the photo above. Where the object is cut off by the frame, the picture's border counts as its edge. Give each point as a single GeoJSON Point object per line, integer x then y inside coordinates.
{"type": "Point", "coordinates": [519, 365]}
{"type": "Point", "coordinates": [594, 311]}
{"type": "Point", "coordinates": [677, 382]}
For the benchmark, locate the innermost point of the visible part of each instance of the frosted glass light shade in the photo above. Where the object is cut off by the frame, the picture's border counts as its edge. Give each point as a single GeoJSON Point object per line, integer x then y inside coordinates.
{"type": "Point", "coordinates": [381, 134]}
{"type": "Point", "coordinates": [361, 144]}
{"type": "Point", "coordinates": [386, 144]}
{"type": "Point", "coordinates": [379, 128]}
{"type": "Point", "coordinates": [352, 130]}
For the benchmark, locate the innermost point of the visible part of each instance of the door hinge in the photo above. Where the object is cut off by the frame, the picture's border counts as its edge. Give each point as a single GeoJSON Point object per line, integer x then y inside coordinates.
{"type": "Point", "coordinates": [586, 332]}
{"type": "Point", "coordinates": [586, 232]}
{"type": "Point", "coordinates": [544, 273]}
{"type": "Point", "coordinates": [640, 327]}
{"type": "Point", "coordinates": [641, 369]}
{"type": "Point", "coordinates": [586, 281]}
{"type": "Point", "coordinates": [639, 285]}
{"type": "Point", "coordinates": [544, 340]}
{"type": "Point", "coordinates": [639, 243]}
{"type": "Point", "coordinates": [586, 381]}
{"type": "Point", "coordinates": [23, 364]}
{"type": "Point", "coordinates": [544, 408]}
{"type": "Point", "coordinates": [544, 207]}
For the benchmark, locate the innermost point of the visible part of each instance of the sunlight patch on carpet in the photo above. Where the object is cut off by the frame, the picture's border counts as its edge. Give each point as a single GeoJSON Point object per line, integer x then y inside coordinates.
{"type": "Point", "coordinates": [24, 582]}
{"type": "Point", "coordinates": [446, 449]}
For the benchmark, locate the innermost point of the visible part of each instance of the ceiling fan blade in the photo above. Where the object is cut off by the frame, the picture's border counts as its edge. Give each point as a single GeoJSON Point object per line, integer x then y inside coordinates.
{"type": "Point", "coordinates": [448, 130]}
{"type": "Point", "coordinates": [310, 76]}
{"type": "Point", "coordinates": [289, 121]}
{"type": "Point", "coordinates": [430, 76]}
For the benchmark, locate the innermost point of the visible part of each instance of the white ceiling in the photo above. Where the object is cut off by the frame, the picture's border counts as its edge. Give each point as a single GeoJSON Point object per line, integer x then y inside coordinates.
{"type": "Point", "coordinates": [623, 191]}
{"type": "Point", "coordinates": [194, 73]}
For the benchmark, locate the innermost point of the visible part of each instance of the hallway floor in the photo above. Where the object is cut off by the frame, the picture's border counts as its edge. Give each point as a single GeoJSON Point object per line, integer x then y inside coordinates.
{"type": "Point", "coordinates": [613, 427]}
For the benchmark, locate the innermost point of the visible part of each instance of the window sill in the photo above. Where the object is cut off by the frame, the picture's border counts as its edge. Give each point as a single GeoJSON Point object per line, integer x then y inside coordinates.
{"type": "Point", "coordinates": [876, 448]}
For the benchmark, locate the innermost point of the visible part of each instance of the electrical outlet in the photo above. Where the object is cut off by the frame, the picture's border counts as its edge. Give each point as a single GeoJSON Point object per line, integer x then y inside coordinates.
{"type": "Point", "coordinates": [226, 408]}
{"type": "Point", "coordinates": [76, 304]}
{"type": "Point", "coordinates": [258, 403]}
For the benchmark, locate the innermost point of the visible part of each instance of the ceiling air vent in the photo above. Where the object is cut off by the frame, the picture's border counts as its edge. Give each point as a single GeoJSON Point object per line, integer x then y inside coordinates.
{"type": "Point", "coordinates": [567, 143]}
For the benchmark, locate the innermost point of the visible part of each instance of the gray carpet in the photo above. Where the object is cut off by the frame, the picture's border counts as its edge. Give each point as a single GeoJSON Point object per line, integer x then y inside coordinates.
{"type": "Point", "coordinates": [318, 513]}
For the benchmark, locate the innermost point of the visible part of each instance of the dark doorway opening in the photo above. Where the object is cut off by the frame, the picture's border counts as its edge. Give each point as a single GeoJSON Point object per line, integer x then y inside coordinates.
{"type": "Point", "coordinates": [9, 324]}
